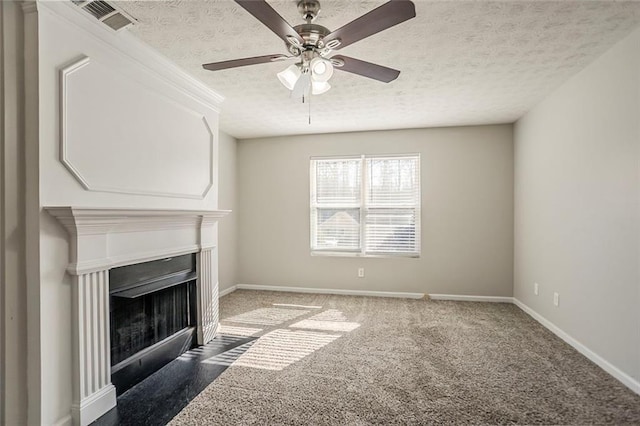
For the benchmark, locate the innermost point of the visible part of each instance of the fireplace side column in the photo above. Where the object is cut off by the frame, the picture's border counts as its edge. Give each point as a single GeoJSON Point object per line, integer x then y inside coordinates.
{"type": "Point", "coordinates": [207, 295]}
{"type": "Point", "coordinates": [93, 393]}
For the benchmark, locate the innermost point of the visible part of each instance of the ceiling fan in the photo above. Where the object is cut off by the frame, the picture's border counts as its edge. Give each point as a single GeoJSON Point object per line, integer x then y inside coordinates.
{"type": "Point", "coordinates": [312, 44]}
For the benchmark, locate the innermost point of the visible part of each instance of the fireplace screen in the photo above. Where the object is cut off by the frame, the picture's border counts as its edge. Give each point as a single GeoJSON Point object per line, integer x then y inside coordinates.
{"type": "Point", "coordinates": [150, 302]}
{"type": "Point", "coordinates": [137, 323]}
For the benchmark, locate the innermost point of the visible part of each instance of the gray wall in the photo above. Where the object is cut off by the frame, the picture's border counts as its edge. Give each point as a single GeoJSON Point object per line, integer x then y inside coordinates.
{"type": "Point", "coordinates": [13, 293]}
{"type": "Point", "coordinates": [467, 212]}
{"type": "Point", "coordinates": [577, 214]}
{"type": "Point", "coordinates": [227, 227]}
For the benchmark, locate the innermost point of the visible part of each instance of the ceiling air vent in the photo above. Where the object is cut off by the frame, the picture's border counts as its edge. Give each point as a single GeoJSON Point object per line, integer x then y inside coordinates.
{"type": "Point", "coordinates": [106, 13]}
{"type": "Point", "coordinates": [99, 8]}
{"type": "Point", "coordinates": [117, 21]}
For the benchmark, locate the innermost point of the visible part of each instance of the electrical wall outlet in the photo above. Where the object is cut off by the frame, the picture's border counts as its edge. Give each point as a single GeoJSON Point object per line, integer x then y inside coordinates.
{"type": "Point", "coordinates": [360, 272]}
{"type": "Point", "coordinates": [556, 299]}
{"type": "Point", "coordinates": [535, 289]}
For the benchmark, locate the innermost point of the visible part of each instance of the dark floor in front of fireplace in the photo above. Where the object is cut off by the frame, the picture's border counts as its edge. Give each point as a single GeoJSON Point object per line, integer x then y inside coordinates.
{"type": "Point", "coordinates": [157, 399]}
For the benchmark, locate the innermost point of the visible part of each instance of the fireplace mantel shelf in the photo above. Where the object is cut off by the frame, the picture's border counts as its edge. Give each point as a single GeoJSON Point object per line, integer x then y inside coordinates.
{"type": "Point", "coordinates": [96, 211]}
{"type": "Point", "coordinates": [91, 220]}
{"type": "Point", "coordinates": [109, 237]}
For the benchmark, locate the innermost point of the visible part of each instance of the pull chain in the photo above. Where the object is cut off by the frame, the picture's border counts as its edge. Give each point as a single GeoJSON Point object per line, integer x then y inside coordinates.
{"type": "Point", "coordinates": [309, 107]}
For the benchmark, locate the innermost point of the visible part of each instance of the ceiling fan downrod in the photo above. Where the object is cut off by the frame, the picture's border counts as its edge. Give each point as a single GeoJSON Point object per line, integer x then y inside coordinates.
{"type": "Point", "coordinates": [309, 9]}
{"type": "Point", "coordinates": [311, 36]}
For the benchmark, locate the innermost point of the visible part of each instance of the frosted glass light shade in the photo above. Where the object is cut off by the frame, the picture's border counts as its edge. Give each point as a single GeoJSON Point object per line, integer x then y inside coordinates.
{"type": "Point", "coordinates": [321, 69]}
{"type": "Point", "coordinates": [289, 76]}
{"type": "Point", "coordinates": [302, 86]}
{"type": "Point", "coordinates": [320, 87]}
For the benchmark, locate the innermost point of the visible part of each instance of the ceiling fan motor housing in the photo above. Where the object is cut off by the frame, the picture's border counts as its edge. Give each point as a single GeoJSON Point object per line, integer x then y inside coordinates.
{"type": "Point", "coordinates": [312, 34]}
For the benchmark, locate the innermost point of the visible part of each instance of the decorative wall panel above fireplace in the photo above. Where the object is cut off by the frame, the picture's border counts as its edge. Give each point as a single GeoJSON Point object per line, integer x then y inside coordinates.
{"type": "Point", "coordinates": [123, 124]}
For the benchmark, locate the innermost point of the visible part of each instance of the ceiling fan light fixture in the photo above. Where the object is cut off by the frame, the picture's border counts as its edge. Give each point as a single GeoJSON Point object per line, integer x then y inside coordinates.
{"type": "Point", "coordinates": [289, 76]}
{"type": "Point", "coordinates": [321, 69]}
{"type": "Point", "coordinates": [301, 89]}
{"type": "Point", "coordinates": [319, 87]}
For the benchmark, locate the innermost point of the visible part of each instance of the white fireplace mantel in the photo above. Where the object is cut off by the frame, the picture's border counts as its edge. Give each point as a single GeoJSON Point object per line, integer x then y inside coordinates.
{"type": "Point", "coordinates": [105, 238]}
{"type": "Point", "coordinates": [98, 234]}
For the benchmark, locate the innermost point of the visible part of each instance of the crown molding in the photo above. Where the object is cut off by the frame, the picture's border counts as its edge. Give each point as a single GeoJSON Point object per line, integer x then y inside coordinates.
{"type": "Point", "coordinates": [137, 52]}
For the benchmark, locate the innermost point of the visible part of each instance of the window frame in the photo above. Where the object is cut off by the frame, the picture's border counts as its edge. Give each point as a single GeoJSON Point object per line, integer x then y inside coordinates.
{"type": "Point", "coordinates": [363, 207]}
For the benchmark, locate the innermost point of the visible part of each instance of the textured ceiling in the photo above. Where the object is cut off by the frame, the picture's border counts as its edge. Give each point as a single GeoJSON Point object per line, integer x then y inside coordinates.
{"type": "Point", "coordinates": [462, 63]}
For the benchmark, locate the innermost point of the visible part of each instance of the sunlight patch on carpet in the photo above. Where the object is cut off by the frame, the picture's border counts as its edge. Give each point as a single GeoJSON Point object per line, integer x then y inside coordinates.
{"type": "Point", "coordinates": [281, 348]}
{"type": "Point", "coordinates": [329, 320]}
{"type": "Point", "coordinates": [229, 357]}
{"type": "Point", "coordinates": [239, 331]}
{"type": "Point", "coordinates": [291, 305]}
{"type": "Point", "coordinates": [339, 326]}
{"type": "Point", "coordinates": [329, 315]}
{"type": "Point", "coordinates": [219, 343]}
{"type": "Point", "coordinates": [267, 316]}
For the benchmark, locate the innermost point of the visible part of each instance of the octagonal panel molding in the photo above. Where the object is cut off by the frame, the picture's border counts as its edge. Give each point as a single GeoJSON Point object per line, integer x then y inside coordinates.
{"type": "Point", "coordinates": [123, 136]}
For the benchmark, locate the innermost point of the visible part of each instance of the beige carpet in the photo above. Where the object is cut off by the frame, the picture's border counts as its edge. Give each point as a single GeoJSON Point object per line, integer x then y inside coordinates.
{"type": "Point", "coordinates": [324, 359]}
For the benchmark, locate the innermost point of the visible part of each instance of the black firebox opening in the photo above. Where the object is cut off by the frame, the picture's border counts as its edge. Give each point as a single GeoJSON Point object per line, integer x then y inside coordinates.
{"type": "Point", "coordinates": [152, 317]}
{"type": "Point", "coordinates": [144, 321]}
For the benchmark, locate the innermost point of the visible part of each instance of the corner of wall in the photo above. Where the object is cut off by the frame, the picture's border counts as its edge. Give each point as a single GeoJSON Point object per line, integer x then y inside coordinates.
{"type": "Point", "coordinates": [32, 212]}
{"type": "Point", "coordinates": [228, 227]}
{"type": "Point", "coordinates": [577, 208]}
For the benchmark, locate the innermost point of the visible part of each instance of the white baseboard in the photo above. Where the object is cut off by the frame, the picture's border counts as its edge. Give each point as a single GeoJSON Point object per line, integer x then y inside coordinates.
{"type": "Point", "coordinates": [623, 377]}
{"type": "Point", "coordinates": [331, 291]}
{"type": "Point", "coordinates": [227, 290]}
{"type": "Point", "coordinates": [65, 421]}
{"type": "Point", "coordinates": [466, 298]}
{"type": "Point", "coordinates": [94, 406]}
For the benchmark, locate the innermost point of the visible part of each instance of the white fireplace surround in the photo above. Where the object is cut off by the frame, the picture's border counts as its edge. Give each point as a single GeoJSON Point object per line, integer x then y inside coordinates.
{"type": "Point", "coordinates": [104, 238]}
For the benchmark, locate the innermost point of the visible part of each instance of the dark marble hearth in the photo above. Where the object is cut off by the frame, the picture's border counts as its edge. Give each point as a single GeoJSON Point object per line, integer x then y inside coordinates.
{"type": "Point", "coordinates": [157, 399]}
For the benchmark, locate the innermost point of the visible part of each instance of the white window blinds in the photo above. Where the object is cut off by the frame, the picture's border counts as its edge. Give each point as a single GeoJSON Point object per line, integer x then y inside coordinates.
{"type": "Point", "coordinates": [367, 205]}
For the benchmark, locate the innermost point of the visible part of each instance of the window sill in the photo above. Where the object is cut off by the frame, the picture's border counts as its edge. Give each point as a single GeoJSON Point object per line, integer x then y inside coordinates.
{"type": "Point", "coordinates": [360, 255]}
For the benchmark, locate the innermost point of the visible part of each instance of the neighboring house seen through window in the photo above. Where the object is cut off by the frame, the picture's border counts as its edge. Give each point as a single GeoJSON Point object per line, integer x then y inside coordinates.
{"type": "Point", "coordinates": [366, 205]}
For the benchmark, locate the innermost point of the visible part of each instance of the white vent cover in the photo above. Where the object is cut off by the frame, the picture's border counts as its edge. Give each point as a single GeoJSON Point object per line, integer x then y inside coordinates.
{"type": "Point", "coordinates": [106, 13]}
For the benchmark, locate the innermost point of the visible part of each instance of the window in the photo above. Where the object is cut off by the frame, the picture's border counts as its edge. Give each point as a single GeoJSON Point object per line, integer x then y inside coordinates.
{"type": "Point", "coordinates": [366, 205]}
